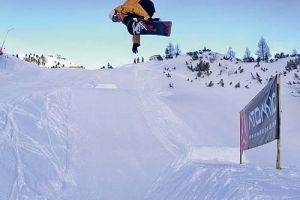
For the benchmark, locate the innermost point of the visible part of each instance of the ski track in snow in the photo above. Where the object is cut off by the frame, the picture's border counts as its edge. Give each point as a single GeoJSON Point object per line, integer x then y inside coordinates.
{"type": "Point", "coordinates": [162, 121]}
{"type": "Point", "coordinates": [166, 126]}
{"type": "Point", "coordinates": [30, 124]}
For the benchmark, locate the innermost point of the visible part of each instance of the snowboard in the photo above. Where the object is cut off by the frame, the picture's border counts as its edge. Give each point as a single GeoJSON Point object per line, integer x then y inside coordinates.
{"type": "Point", "coordinates": [145, 27]}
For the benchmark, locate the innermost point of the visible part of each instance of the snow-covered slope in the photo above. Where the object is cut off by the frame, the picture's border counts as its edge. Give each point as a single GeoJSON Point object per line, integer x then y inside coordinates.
{"type": "Point", "coordinates": [51, 61]}
{"type": "Point", "coordinates": [124, 134]}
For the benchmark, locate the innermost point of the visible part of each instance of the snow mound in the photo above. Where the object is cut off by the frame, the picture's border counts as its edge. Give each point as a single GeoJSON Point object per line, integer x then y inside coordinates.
{"type": "Point", "coordinates": [214, 154]}
{"type": "Point", "coordinates": [196, 180]}
{"type": "Point", "coordinates": [12, 64]}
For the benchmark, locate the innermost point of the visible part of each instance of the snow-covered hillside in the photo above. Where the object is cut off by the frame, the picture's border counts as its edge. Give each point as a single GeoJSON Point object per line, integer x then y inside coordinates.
{"type": "Point", "coordinates": [126, 134]}
{"type": "Point", "coordinates": [51, 61]}
{"type": "Point", "coordinates": [59, 61]}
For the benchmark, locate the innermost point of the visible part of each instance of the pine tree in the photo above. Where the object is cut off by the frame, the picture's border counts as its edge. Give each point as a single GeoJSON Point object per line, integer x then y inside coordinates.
{"type": "Point", "coordinates": [170, 50]}
{"type": "Point", "coordinates": [263, 51]}
{"type": "Point", "coordinates": [167, 53]}
{"type": "Point", "coordinates": [43, 60]}
{"type": "Point", "coordinates": [177, 50]}
{"type": "Point", "coordinates": [230, 53]}
{"type": "Point", "coordinates": [294, 53]}
{"type": "Point", "coordinates": [247, 54]}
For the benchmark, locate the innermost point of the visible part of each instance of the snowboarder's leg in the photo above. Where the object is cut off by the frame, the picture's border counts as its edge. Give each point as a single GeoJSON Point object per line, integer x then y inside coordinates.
{"type": "Point", "coordinates": [135, 26]}
{"type": "Point", "coordinates": [148, 7]}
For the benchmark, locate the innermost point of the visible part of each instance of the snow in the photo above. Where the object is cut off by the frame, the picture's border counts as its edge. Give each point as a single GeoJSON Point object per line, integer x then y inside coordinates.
{"type": "Point", "coordinates": [52, 60]}
{"type": "Point", "coordinates": [124, 134]}
{"type": "Point", "coordinates": [214, 154]}
{"type": "Point", "coordinates": [106, 86]}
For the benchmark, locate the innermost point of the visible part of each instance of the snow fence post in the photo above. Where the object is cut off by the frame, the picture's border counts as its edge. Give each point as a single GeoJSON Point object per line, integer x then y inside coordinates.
{"type": "Point", "coordinates": [278, 160]}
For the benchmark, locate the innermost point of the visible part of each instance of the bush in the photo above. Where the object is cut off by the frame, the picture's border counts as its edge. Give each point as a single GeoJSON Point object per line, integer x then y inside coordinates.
{"type": "Point", "coordinates": [238, 85]}
{"type": "Point", "coordinates": [206, 49]}
{"type": "Point", "coordinates": [292, 64]}
{"type": "Point", "coordinates": [202, 68]}
{"type": "Point", "coordinates": [194, 55]}
{"type": "Point", "coordinates": [221, 82]}
{"type": "Point", "coordinates": [210, 84]}
{"type": "Point", "coordinates": [281, 55]}
{"type": "Point", "coordinates": [249, 60]}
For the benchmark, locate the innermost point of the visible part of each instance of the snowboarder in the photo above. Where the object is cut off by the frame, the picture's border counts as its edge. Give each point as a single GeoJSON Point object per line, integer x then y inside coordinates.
{"type": "Point", "coordinates": [1, 51]}
{"type": "Point", "coordinates": [133, 9]}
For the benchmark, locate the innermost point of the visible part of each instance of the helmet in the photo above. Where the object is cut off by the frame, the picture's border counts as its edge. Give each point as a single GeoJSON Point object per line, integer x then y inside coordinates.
{"type": "Point", "coordinates": [113, 15]}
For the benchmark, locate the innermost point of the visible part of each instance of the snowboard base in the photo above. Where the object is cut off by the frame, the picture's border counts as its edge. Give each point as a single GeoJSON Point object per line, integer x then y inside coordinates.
{"type": "Point", "coordinates": [146, 27]}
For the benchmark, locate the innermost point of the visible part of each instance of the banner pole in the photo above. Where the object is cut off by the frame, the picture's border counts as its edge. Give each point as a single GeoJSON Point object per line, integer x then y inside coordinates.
{"type": "Point", "coordinates": [278, 163]}
{"type": "Point", "coordinates": [241, 157]}
{"type": "Point", "coordinates": [241, 151]}
{"type": "Point", "coordinates": [278, 160]}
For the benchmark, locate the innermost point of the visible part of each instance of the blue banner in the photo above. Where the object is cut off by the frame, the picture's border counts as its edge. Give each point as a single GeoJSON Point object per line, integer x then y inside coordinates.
{"type": "Point", "coordinates": [259, 120]}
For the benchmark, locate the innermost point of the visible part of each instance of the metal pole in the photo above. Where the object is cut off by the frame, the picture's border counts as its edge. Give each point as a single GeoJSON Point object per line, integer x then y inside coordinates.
{"type": "Point", "coordinates": [6, 37]}
{"type": "Point", "coordinates": [278, 161]}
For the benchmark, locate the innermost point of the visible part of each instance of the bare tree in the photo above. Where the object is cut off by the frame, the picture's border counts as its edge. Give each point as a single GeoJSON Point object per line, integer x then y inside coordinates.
{"type": "Point", "coordinates": [263, 51]}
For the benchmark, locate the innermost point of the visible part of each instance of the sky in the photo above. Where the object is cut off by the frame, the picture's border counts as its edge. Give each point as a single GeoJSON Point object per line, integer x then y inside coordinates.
{"type": "Point", "coordinates": [82, 32]}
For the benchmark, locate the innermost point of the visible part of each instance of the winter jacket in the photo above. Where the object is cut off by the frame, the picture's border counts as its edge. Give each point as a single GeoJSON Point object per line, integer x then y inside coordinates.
{"type": "Point", "coordinates": [133, 7]}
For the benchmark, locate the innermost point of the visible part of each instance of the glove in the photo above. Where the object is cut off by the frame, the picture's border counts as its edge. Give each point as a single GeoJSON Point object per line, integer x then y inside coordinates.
{"type": "Point", "coordinates": [135, 47]}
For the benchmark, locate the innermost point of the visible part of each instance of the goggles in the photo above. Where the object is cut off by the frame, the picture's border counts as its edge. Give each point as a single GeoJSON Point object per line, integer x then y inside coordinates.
{"type": "Point", "coordinates": [115, 17]}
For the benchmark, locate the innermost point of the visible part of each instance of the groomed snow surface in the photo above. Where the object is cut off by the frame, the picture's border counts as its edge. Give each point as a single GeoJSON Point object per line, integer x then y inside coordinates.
{"type": "Point", "coordinates": [124, 134]}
